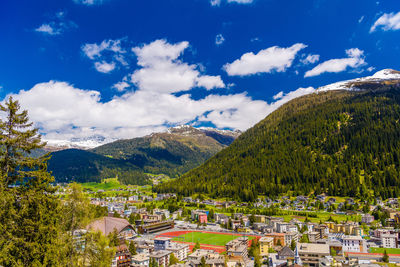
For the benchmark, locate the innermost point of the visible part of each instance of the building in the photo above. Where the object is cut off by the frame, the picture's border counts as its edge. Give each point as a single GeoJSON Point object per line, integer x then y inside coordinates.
{"type": "Point", "coordinates": [161, 243]}
{"type": "Point", "coordinates": [279, 238]}
{"type": "Point", "coordinates": [161, 257]}
{"type": "Point", "coordinates": [389, 240]}
{"type": "Point", "coordinates": [202, 218]}
{"type": "Point", "coordinates": [238, 247]}
{"type": "Point", "coordinates": [282, 227]}
{"type": "Point", "coordinates": [290, 236]}
{"type": "Point", "coordinates": [122, 257]}
{"type": "Point", "coordinates": [313, 236]}
{"type": "Point", "coordinates": [310, 254]}
{"type": "Point", "coordinates": [200, 253]}
{"type": "Point", "coordinates": [286, 254]}
{"type": "Point", "coordinates": [353, 244]}
{"type": "Point", "coordinates": [212, 260]}
{"type": "Point", "coordinates": [180, 250]}
{"type": "Point", "coordinates": [140, 259]}
{"type": "Point", "coordinates": [107, 225]}
{"type": "Point", "coordinates": [367, 218]}
{"type": "Point", "coordinates": [266, 242]}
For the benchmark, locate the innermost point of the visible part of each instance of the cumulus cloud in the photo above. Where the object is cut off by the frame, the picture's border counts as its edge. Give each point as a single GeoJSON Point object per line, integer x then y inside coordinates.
{"type": "Point", "coordinates": [62, 111]}
{"type": "Point", "coordinates": [354, 60]}
{"type": "Point", "coordinates": [162, 71]}
{"type": "Point", "coordinates": [104, 67]}
{"type": "Point", "coordinates": [309, 59]}
{"type": "Point", "coordinates": [219, 39]}
{"type": "Point", "coordinates": [108, 49]}
{"type": "Point", "coordinates": [388, 21]}
{"type": "Point", "coordinates": [215, 2]}
{"type": "Point", "coordinates": [265, 61]}
{"type": "Point", "coordinates": [121, 86]}
{"type": "Point", "coordinates": [57, 26]}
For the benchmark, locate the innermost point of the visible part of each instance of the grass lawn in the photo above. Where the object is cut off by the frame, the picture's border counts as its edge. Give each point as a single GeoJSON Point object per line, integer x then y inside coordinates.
{"type": "Point", "coordinates": [207, 238]}
{"type": "Point", "coordinates": [107, 184]}
{"type": "Point", "coordinates": [388, 250]}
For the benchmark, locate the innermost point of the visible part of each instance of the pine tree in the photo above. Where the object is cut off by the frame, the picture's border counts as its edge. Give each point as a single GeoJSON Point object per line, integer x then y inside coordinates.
{"type": "Point", "coordinates": [31, 234]}
{"type": "Point", "coordinates": [132, 248]}
{"type": "Point", "coordinates": [385, 257]}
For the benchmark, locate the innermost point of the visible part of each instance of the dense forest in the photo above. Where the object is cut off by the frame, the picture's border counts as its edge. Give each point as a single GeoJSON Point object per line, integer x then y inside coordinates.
{"type": "Point", "coordinates": [343, 143]}
{"type": "Point", "coordinates": [172, 153]}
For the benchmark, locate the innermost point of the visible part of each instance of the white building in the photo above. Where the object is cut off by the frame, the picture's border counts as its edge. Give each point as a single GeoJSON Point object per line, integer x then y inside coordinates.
{"type": "Point", "coordinates": [389, 241]}
{"type": "Point", "coordinates": [180, 250]}
{"type": "Point", "coordinates": [353, 244]}
{"type": "Point", "coordinates": [367, 218]}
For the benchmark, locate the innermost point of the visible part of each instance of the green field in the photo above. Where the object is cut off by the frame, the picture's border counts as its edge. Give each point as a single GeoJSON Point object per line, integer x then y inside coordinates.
{"type": "Point", "coordinates": [106, 184]}
{"type": "Point", "coordinates": [208, 238]}
{"type": "Point", "coordinates": [388, 250]}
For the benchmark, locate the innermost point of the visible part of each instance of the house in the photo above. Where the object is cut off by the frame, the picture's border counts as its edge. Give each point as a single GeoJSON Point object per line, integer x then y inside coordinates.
{"type": "Point", "coordinates": [202, 217]}
{"type": "Point", "coordinates": [286, 254]}
{"type": "Point", "coordinates": [221, 218]}
{"type": "Point", "coordinates": [106, 225]}
{"type": "Point", "coordinates": [200, 253]}
{"type": "Point", "coordinates": [161, 257]}
{"type": "Point", "coordinates": [266, 242]}
{"type": "Point", "coordinates": [211, 260]}
{"type": "Point", "coordinates": [367, 218]}
{"type": "Point", "coordinates": [122, 257]}
{"type": "Point", "coordinates": [140, 259]}
{"type": "Point", "coordinates": [279, 238]}
{"type": "Point", "coordinates": [310, 253]}
{"type": "Point", "coordinates": [238, 247]}
{"type": "Point", "coordinates": [281, 227]}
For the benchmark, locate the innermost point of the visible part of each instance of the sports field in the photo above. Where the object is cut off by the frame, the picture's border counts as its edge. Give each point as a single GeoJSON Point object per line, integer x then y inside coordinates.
{"type": "Point", "coordinates": [388, 250]}
{"type": "Point", "coordinates": [215, 239]}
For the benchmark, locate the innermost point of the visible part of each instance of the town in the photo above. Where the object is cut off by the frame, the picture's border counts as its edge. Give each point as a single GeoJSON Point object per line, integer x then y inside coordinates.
{"type": "Point", "coordinates": [169, 230]}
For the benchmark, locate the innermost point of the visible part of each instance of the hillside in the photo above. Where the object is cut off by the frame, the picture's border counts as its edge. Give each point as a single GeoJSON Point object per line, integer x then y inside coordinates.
{"type": "Point", "coordinates": [173, 153]}
{"type": "Point", "coordinates": [341, 142]}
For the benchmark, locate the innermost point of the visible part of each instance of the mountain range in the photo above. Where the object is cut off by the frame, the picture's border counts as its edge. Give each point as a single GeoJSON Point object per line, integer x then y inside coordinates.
{"type": "Point", "coordinates": [342, 140]}
{"type": "Point", "coordinates": [173, 152]}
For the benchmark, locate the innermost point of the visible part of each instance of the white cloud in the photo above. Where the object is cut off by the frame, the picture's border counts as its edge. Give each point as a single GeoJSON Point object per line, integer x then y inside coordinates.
{"type": "Point", "coordinates": [361, 19]}
{"type": "Point", "coordinates": [219, 39]}
{"type": "Point", "coordinates": [310, 59]}
{"type": "Point", "coordinates": [107, 50]}
{"type": "Point", "coordinates": [93, 51]}
{"type": "Point", "coordinates": [215, 2]}
{"type": "Point", "coordinates": [89, 2]}
{"type": "Point", "coordinates": [265, 61]}
{"type": "Point", "coordinates": [218, 2]}
{"type": "Point", "coordinates": [388, 21]}
{"type": "Point", "coordinates": [354, 60]}
{"type": "Point", "coordinates": [210, 82]}
{"type": "Point", "coordinates": [48, 29]}
{"type": "Point", "coordinates": [121, 86]}
{"type": "Point", "coordinates": [104, 67]}
{"type": "Point", "coordinates": [62, 111]}
{"type": "Point", "coordinates": [278, 95]}
{"type": "Point", "coordinates": [162, 71]}
{"type": "Point", "coordinates": [58, 26]}
{"type": "Point", "coordinates": [241, 1]}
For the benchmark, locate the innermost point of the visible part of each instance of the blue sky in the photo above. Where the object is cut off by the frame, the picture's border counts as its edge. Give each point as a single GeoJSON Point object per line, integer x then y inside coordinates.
{"type": "Point", "coordinates": [125, 68]}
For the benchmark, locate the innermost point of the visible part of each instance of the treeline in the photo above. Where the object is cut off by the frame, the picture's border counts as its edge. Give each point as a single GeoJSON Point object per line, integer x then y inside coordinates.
{"type": "Point", "coordinates": [343, 143]}
{"type": "Point", "coordinates": [36, 226]}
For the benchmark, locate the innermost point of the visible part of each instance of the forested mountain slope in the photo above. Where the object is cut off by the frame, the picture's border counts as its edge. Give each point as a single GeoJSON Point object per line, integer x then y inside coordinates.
{"type": "Point", "coordinates": [172, 153]}
{"type": "Point", "coordinates": [341, 142]}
